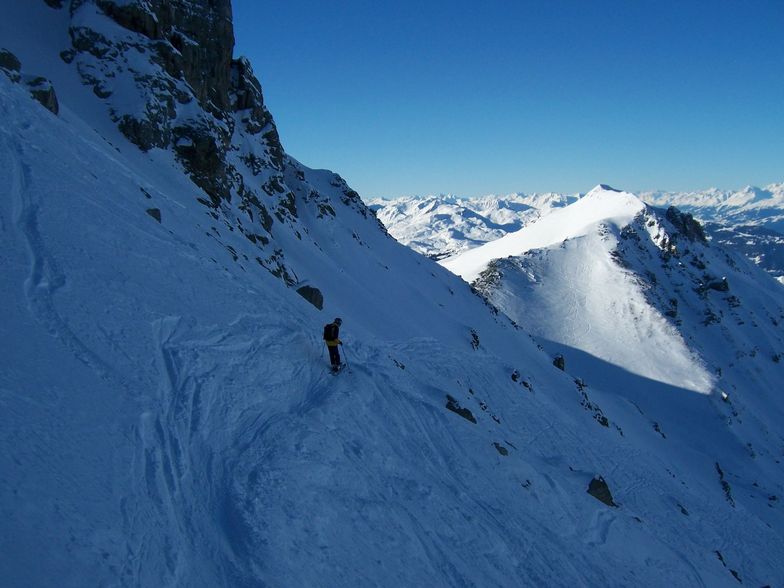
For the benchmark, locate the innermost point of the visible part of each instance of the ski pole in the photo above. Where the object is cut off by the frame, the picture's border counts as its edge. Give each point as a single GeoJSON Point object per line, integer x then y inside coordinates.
{"type": "Point", "coordinates": [345, 355]}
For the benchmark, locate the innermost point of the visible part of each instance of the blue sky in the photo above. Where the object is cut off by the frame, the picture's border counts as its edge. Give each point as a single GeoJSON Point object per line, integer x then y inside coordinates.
{"type": "Point", "coordinates": [501, 96]}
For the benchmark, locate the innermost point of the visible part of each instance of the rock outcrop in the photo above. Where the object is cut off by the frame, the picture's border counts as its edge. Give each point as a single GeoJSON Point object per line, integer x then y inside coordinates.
{"type": "Point", "coordinates": [40, 88]}
{"type": "Point", "coordinates": [165, 72]}
{"type": "Point", "coordinates": [312, 295]}
{"type": "Point", "coordinates": [599, 489]}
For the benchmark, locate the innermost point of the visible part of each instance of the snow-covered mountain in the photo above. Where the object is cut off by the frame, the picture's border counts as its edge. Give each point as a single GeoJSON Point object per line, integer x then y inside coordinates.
{"type": "Point", "coordinates": [643, 307]}
{"type": "Point", "coordinates": [749, 220]}
{"type": "Point", "coordinates": [749, 206]}
{"type": "Point", "coordinates": [440, 226]}
{"type": "Point", "coordinates": [168, 417]}
{"type": "Point", "coordinates": [638, 287]}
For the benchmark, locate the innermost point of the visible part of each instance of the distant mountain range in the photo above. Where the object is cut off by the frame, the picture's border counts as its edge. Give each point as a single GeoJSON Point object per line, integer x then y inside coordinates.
{"type": "Point", "coordinates": [749, 206]}
{"type": "Point", "coordinates": [750, 220]}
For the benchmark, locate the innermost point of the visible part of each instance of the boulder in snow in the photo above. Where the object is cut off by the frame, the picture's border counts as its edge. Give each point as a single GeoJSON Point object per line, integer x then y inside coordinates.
{"type": "Point", "coordinates": [43, 91]}
{"type": "Point", "coordinates": [453, 405]}
{"type": "Point", "coordinates": [599, 489]}
{"type": "Point", "coordinates": [312, 295]}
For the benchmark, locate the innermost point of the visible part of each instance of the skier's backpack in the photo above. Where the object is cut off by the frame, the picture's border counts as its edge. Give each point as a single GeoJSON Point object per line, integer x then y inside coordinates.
{"type": "Point", "coordinates": [330, 332]}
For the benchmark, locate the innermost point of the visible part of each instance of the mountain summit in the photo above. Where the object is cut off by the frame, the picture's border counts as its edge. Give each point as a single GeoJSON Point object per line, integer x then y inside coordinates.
{"type": "Point", "coordinates": [600, 204]}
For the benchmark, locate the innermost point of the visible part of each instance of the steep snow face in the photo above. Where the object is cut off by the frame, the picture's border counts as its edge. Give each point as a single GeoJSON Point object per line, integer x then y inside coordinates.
{"type": "Point", "coordinates": [638, 301]}
{"type": "Point", "coordinates": [168, 418]}
{"type": "Point", "coordinates": [601, 310]}
{"type": "Point", "coordinates": [441, 226]}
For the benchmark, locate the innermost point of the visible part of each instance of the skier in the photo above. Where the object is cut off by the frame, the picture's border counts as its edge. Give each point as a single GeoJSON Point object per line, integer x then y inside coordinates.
{"type": "Point", "coordinates": [332, 339]}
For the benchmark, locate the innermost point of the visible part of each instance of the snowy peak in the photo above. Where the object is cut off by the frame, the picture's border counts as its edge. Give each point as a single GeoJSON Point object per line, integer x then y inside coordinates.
{"type": "Point", "coordinates": [643, 290]}
{"type": "Point", "coordinates": [750, 220]}
{"type": "Point", "coordinates": [600, 205]}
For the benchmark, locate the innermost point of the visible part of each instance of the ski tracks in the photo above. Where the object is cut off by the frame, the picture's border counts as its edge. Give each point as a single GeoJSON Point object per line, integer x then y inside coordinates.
{"type": "Point", "coordinates": [223, 395]}
{"type": "Point", "coordinates": [46, 276]}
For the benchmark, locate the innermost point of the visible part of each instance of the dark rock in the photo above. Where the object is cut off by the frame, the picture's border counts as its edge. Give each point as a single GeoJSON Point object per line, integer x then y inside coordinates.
{"type": "Point", "coordinates": [312, 295]}
{"type": "Point", "coordinates": [686, 225]}
{"type": "Point", "coordinates": [453, 405]}
{"type": "Point", "coordinates": [725, 485]}
{"type": "Point", "coordinates": [68, 55]}
{"type": "Point", "coordinates": [474, 339]}
{"type": "Point", "coordinates": [86, 40]}
{"type": "Point", "coordinates": [248, 98]}
{"type": "Point", "coordinates": [9, 61]}
{"type": "Point", "coordinates": [145, 133]}
{"type": "Point", "coordinates": [599, 489]}
{"type": "Point", "coordinates": [501, 449]}
{"type": "Point", "coordinates": [721, 557]}
{"type": "Point", "coordinates": [40, 88]}
{"type": "Point", "coordinates": [136, 17]}
{"type": "Point", "coordinates": [719, 285]}
{"type": "Point", "coordinates": [559, 362]}
{"type": "Point", "coordinates": [43, 91]}
{"type": "Point", "coordinates": [204, 159]}
{"type": "Point", "coordinates": [155, 213]}
{"type": "Point", "coordinates": [54, 3]}
{"type": "Point", "coordinates": [200, 31]}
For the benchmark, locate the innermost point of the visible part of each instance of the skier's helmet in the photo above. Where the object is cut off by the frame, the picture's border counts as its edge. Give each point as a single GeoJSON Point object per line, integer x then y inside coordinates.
{"type": "Point", "coordinates": [338, 321]}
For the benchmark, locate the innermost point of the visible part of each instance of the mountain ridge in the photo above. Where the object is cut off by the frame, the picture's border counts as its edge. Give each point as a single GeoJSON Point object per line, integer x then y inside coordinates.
{"type": "Point", "coordinates": [753, 228]}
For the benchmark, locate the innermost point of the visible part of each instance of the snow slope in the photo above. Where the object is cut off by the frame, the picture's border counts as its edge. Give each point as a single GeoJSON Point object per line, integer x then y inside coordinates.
{"type": "Point", "coordinates": [168, 418]}
{"type": "Point", "coordinates": [641, 306]}
{"type": "Point", "coordinates": [616, 304]}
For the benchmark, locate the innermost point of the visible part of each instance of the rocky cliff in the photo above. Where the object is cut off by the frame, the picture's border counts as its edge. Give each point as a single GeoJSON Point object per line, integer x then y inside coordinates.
{"type": "Point", "coordinates": [166, 74]}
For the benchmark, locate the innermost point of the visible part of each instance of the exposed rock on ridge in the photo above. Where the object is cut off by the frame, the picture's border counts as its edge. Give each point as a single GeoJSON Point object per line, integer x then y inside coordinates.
{"type": "Point", "coordinates": [166, 74]}
{"type": "Point", "coordinates": [40, 88]}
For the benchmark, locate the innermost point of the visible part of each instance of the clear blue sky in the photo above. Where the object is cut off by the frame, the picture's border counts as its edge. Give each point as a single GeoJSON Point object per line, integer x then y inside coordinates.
{"type": "Point", "coordinates": [494, 96]}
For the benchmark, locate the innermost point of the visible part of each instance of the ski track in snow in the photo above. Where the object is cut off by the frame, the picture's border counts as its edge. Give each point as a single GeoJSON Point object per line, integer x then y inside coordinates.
{"type": "Point", "coordinates": [176, 446]}
{"type": "Point", "coordinates": [46, 277]}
